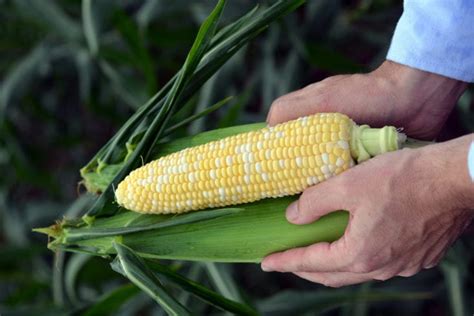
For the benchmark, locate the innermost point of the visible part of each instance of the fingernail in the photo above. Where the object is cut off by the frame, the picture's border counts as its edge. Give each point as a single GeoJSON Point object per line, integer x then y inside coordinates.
{"type": "Point", "coordinates": [292, 212]}
{"type": "Point", "coordinates": [266, 268]}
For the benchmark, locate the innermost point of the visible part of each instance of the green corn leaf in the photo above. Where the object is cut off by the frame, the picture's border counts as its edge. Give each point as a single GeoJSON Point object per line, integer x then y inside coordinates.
{"type": "Point", "coordinates": [315, 302]}
{"type": "Point", "coordinates": [135, 269]}
{"type": "Point", "coordinates": [109, 303]}
{"type": "Point", "coordinates": [196, 116]}
{"type": "Point", "coordinates": [104, 203]}
{"type": "Point", "coordinates": [200, 291]}
{"type": "Point", "coordinates": [89, 28]}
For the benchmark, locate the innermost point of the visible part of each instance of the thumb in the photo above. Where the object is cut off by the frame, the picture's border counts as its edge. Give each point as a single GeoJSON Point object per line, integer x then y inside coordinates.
{"type": "Point", "coordinates": [319, 200]}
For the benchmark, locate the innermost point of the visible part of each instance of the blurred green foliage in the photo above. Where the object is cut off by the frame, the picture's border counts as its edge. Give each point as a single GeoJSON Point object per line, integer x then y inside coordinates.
{"type": "Point", "coordinates": [73, 71]}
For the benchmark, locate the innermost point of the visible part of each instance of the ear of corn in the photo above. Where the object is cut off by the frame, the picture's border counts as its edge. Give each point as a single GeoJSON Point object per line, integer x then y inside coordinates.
{"type": "Point", "coordinates": [243, 234]}
{"type": "Point", "coordinates": [270, 162]}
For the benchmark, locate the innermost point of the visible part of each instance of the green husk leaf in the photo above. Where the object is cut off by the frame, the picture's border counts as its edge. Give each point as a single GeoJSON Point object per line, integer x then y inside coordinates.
{"type": "Point", "coordinates": [158, 222]}
{"type": "Point", "coordinates": [134, 268]}
{"type": "Point", "coordinates": [246, 235]}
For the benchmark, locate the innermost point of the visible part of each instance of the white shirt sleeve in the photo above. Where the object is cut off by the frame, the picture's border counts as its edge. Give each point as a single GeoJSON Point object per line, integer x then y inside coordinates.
{"type": "Point", "coordinates": [436, 36]}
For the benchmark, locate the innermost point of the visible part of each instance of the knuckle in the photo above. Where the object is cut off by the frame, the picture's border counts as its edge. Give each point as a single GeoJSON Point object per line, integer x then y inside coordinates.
{"type": "Point", "coordinates": [384, 276]}
{"type": "Point", "coordinates": [327, 283]}
{"type": "Point", "coordinates": [409, 272]}
{"type": "Point", "coordinates": [279, 104]}
{"type": "Point", "coordinates": [334, 284]}
{"type": "Point", "coordinates": [363, 266]}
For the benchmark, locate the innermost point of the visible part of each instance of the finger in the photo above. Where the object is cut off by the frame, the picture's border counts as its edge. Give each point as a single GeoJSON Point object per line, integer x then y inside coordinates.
{"type": "Point", "coordinates": [325, 197]}
{"type": "Point", "coordinates": [320, 257]}
{"type": "Point", "coordinates": [309, 100]}
{"type": "Point", "coordinates": [337, 279]}
{"type": "Point", "coordinates": [410, 271]}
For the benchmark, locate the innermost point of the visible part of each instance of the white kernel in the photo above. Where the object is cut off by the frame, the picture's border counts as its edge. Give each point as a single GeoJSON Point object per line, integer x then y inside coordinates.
{"type": "Point", "coordinates": [266, 135]}
{"type": "Point", "coordinates": [237, 150]}
{"type": "Point", "coordinates": [265, 177]}
{"type": "Point", "coordinates": [299, 161]}
{"type": "Point", "coordinates": [196, 165]}
{"type": "Point", "coordinates": [268, 154]}
{"type": "Point", "coordinates": [332, 168]}
{"type": "Point", "coordinates": [260, 145]}
{"type": "Point", "coordinates": [191, 177]}
{"type": "Point", "coordinates": [304, 121]}
{"type": "Point", "coordinates": [222, 145]}
{"type": "Point", "coordinates": [175, 169]}
{"type": "Point", "coordinates": [258, 167]}
{"type": "Point", "coordinates": [212, 174]}
{"type": "Point", "coordinates": [185, 167]}
{"type": "Point", "coordinates": [325, 170]}
{"type": "Point", "coordinates": [158, 187]}
{"type": "Point", "coordinates": [281, 162]}
{"type": "Point", "coordinates": [325, 158]}
{"type": "Point", "coordinates": [189, 203]}
{"type": "Point", "coordinates": [280, 134]}
{"type": "Point", "coordinates": [222, 192]}
{"type": "Point", "coordinates": [229, 160]}
{"type": "Point", "coordinates": [247, 179]}
{"type": "Point", "coordinates": [166, 178]}
{"type": "Point", "coordinates": [218, 162]}
{"type": "Point", "coordinates": [251, 157]}
{"type": "Point", "coordinates": [248, 147]}
{"type": "Point", "coordinates": [343, 144]}
{"type": "Point", "coordinates": [205, 194]}
{"type": "Point", "coordinates": [339, 162]}
{"type": "Point", "coordinates": [212, 146]}
{"type": "Point", "coordinates": [238, 188]}
{"type": "Point", "coordinates": [309, 180]}
{"type": "Point", "coordinates": [247, 168]}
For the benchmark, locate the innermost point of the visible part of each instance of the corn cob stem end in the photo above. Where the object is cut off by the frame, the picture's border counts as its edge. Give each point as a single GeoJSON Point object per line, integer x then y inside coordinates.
{"type": "Point", "coordinates": [367, 142]}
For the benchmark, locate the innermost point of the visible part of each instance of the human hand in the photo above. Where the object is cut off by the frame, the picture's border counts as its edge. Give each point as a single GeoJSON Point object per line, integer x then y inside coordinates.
{"type": "Point", "coordinates": [393, 94]}
{"type": "Point", "coordinates": [406, 208]}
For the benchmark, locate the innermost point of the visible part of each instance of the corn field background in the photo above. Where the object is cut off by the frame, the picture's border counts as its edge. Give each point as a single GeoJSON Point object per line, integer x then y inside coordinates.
{"type": "Point", "coordinates": [73, 72]}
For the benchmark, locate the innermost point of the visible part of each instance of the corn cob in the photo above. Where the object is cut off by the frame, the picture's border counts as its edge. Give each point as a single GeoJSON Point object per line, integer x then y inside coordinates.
{"type": "Point", "coordinates": [270, 162]}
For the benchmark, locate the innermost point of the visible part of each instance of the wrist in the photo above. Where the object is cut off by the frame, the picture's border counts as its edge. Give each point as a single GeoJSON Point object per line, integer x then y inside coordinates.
{"type": "Point", "coordinates": [450, 164]}
{"type": "Point", "coordinates": [423, 100]}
